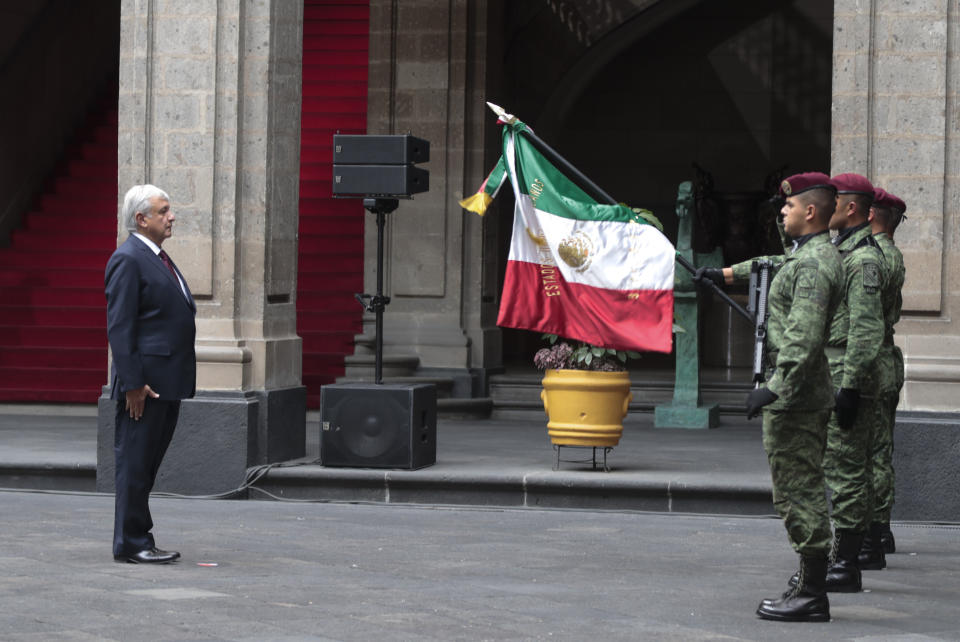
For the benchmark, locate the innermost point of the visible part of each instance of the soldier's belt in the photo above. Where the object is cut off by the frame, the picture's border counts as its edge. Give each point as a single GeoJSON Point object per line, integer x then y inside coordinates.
{"type": "Point", "coordinates": [834, 351]}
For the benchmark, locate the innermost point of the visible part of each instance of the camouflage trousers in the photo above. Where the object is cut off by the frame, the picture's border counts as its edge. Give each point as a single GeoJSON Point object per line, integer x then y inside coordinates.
{"type": "Point", "coordinates": [883, 475]}
{"type": "Point", "coordinates": [795, 444]}
{"type": "Point", "coordinates": [848, 467]}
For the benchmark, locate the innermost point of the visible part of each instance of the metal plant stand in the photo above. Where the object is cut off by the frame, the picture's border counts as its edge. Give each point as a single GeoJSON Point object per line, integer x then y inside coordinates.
{"type": "Point", "coordinates": [592, 460]}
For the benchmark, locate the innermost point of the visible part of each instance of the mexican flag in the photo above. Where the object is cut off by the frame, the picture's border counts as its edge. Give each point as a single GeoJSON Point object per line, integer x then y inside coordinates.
{"type": "Point", "coordinates": [597, 273]}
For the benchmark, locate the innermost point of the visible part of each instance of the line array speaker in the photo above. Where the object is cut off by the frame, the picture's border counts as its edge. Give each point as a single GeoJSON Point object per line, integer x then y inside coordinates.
{"type": "Point", "coordinates": [369, 149]}
{"type": "Point", "coordinates": [373, 165]}
{"type": "Point", "coordinates": [379, 179]}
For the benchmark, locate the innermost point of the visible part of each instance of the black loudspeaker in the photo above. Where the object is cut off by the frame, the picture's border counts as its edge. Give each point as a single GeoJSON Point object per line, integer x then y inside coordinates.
{"type": "Point", "coordinates": [365, 425]}
{"type": "Point", "coordinates": [372, 165]}
{"type": "Point", "coordinates": [369, 149]}
{"type": "Point", "coordinates": [390, 180]}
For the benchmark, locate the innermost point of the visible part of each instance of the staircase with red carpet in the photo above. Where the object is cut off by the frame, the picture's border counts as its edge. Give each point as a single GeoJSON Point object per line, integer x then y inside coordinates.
{"type": "Point", "coordinates": [53, 341]}
{"type": "Point", "coordinates": [335, 36]}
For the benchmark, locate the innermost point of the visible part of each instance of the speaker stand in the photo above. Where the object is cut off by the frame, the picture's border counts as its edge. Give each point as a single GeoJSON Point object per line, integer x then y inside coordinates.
{"type": "Point", "coordinates": [377, 302]}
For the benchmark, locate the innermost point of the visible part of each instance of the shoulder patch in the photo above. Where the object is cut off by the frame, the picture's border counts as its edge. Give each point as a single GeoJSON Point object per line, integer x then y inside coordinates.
{"type": "Point", "coordinates": [806, 281]}
{"type": "Point", "coordinates": [871, 275]}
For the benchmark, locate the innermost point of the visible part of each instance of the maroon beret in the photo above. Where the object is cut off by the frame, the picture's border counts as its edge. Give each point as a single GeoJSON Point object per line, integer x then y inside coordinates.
{"type": "Point", "coordinates": [883, 198]}
{"type": "Point", "coordinates": [802, 182]}
{"type": "Point", "coordinates": [851, 183]}
{"type": "Point", "coordinates": [896, 203]}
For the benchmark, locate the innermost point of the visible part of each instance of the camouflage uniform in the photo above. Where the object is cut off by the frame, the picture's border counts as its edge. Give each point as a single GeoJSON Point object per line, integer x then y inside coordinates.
{"type": "Point", "coordinates": [856, 333]}
{"type": "Point", "coordinates": [804, 295]}
{"type": "Point", "coordinates": [890, 372]}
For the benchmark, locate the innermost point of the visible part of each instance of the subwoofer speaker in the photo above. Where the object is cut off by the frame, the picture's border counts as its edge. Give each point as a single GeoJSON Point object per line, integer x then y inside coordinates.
{"type": "Point", "coordinates": [366, 425]}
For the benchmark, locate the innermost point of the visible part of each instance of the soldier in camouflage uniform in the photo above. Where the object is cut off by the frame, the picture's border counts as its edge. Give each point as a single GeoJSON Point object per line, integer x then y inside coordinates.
{"type": "Point", "coordinates": [885, 215]}
{"type": "Point", "coordinates": [798, 397]}
{"type": "Point", "coordinates": [856, 334]}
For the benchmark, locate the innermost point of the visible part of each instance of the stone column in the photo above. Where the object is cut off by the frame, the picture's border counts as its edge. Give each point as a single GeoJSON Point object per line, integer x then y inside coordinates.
{"type": "Point", "coordinates": [895, 120]}
{"type": "Point", "coordinates": [209, 111]}
{"type": "Point", "coordinates": [420, 55]}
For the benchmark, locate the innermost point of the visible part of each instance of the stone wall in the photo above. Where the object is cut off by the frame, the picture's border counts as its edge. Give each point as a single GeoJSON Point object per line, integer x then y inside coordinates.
{"type": "Point", "coordinates": [895, 120]}
{"type": "Point", "coordinates": [423, 56]}
{"type": "Point", "coordinates": [926, 450]}
{"type": "Point", "coordinates": [209, 110]}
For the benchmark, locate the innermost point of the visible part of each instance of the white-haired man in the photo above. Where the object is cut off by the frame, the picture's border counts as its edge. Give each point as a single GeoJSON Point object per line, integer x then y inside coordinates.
{"type": "Point", "coordinates": [151, 329]}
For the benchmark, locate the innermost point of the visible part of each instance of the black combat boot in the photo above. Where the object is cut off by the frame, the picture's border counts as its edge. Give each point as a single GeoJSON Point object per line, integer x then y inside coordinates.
{"type": "Point", "coordinates": [791, 585]}
{"type": "Point", "coordinates": [843, 576]}
{"type": "Point", "coordinates": [807, 601]}
{"type": "Point", "coordinates": [871, 557]}
{"type": "Point", "coordinates": [887, 542]}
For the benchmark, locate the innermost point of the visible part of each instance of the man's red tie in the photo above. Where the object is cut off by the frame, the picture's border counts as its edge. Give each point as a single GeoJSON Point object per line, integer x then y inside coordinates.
{"type": "Point", "coordinates": [166, 261]}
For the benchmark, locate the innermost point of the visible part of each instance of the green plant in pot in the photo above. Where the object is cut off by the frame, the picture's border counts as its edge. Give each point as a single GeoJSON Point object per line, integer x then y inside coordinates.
{"type": "Point", "coordinates": [586, 392]}
{"type": "Point", "coordinates": [564, 354]}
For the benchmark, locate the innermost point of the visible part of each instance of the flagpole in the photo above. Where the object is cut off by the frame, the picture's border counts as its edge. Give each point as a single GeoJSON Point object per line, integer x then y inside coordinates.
{"type": "Point", "coordinates": [597, 192]}
{"type": "Point", "coordinates": [716, 288]}
{"type": "Point", "coordinates": [555, 157]}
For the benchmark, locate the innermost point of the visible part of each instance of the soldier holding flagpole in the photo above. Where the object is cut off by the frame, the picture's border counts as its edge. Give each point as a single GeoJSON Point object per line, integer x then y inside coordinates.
{"type": "Point", "coordinates": [797, 400]}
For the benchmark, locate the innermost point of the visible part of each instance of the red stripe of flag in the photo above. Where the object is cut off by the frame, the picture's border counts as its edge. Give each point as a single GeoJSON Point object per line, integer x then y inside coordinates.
{"type": "Point", "coordinates": [607, 318]}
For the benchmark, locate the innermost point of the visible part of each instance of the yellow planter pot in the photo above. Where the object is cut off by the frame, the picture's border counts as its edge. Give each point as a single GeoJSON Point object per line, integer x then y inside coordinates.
{"type": "Point", "coordinates": [585, 408]}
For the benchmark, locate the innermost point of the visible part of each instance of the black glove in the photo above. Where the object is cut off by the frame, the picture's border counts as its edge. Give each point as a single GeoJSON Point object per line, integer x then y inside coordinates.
{"type": "Point", "coordinates": [757, 399]}
{"type": "Point", "coordinates": [848, 400]}
{"type": "Point", "coordinates": [710, 274]}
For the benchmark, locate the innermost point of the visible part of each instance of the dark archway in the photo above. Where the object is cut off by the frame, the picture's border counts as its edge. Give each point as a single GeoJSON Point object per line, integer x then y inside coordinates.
{"type": "Point", "coordinates": [742, 89]}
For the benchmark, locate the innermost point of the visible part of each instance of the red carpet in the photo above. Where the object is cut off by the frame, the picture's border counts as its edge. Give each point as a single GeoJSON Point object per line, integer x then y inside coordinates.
{"type": "Point", "coordinates": [53, 338]}
{"type": "Point", "coordinates": [53, 343]}
{"type": "Point", "coordinates": [335, 37]}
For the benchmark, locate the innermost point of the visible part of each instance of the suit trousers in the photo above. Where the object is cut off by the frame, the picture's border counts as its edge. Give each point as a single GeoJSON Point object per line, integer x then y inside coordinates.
{"type": "Point", "coordinates": [139, 447]}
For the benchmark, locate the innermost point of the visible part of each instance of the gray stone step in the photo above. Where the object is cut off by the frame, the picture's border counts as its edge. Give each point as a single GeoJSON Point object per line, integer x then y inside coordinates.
{"type": "Point", "coordinates": [447, 405]}
{"type": "Point", "coordinates": [517, 396]}
{"type": "Point", "coordinates": [444, 385]}
{"type": "Point", "coordinates": [459, 408]}
{"type": "Point", "coordinates": [363, 365]}
{"type": "Point", "coordinates": [49, 476]}
{"type": "Point", "coordinates": [364, 344]}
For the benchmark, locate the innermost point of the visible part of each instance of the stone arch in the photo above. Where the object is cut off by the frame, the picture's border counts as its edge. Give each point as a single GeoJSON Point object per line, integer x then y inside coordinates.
{"type": "Point", "coordinates": [763, 65]}
{"type": "Point", "coordinates": [611, 44]}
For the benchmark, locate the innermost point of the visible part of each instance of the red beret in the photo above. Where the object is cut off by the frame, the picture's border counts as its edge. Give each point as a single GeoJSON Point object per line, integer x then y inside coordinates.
{"type": "Point", "coordinates": [883, 198]}
{"type": "Point", "coordinates": [802, 182]}
{"type": "Point", "coordinates": [852, 184]}
{"type": "Point", "coordinates": [896, 202]}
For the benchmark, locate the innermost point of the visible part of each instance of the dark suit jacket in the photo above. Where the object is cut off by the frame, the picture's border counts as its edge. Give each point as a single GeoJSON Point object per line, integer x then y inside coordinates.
{"type": "Point", "coordinates": [150, 325]}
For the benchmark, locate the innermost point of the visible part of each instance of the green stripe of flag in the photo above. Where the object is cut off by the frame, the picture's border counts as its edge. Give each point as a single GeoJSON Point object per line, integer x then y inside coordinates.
{"type": "Point", "coordinates": [552, 192]}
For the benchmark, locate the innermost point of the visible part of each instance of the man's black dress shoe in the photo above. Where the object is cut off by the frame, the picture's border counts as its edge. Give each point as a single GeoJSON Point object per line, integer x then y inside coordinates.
{"type": "Point", "coordinates": [149, 556]}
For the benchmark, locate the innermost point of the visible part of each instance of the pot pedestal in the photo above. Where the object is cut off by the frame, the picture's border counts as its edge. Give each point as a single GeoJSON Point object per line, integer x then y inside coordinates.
{"type": "Point", "coordinates": [591, 460]}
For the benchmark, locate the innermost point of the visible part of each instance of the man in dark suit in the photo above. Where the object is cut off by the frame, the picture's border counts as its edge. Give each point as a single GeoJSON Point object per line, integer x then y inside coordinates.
{"type": "Point", "coordinates": [151, 329]}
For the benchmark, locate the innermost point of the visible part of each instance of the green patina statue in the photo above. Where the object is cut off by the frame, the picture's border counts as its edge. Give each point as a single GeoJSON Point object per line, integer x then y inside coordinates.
{"type": "Point", "coordinates": [686, 410]}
